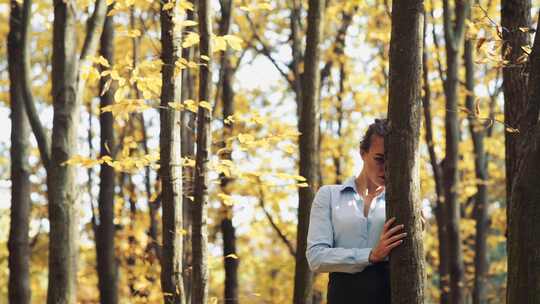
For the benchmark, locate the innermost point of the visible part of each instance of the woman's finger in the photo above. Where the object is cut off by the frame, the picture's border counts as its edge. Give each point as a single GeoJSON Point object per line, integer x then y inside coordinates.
{"type": "Point", "coordinates": [388, 224]}
{"type": "Point", "coordinates": [393, 245]}
{"type": "Point", "coordinates": [390, 232]}
{"type": "Point", "coordinates": [397, 237]}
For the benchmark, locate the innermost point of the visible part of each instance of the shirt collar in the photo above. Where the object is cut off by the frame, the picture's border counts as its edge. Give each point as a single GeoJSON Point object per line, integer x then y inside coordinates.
{"type": "Point", "coordinates": [350, 184]}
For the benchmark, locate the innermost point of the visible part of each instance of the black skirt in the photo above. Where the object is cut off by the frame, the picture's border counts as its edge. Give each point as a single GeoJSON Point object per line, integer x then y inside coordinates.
{"type": "Point", "coordinates": [370, 286]}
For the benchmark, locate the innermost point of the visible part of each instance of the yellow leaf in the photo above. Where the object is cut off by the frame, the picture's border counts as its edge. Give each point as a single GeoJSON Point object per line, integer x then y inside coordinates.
{"type": "Point", "coordinates": [177, 105]}
{"type": "Point", "coordinates": [527, 49]}
{"type": "Point", "coordinates": [234, 42]}
{"type": "Point", "coordinates": [302, 185]}
{"type": "Point", "coordinates": [187, 23]}
{"type": "Point", "coordinates": [168, 6]}
{"type": "Point", "coordinates": [244, 138]}
{"type": "Point", "coordinates": [134, 33]}
{"type": "Point", "coordinates": [232, 256]}
{"type": "Point", "coordinates": [191, 39]}
{"type": "Point", "coordinates": [219, 43]}
{"type": "Point", "coordinates": [205, 105]}
{"type": "Point", "coordinates": [205, 58]}
{"type": "Point", "coordinates": [511, 130]}
{"type": "Point", "coordinates": [186, 5]}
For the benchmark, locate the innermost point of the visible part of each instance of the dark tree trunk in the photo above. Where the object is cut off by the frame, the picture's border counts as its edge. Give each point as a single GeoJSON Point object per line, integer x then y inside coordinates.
{"type": "Point", "coordinates": [440, 211]}
{"type": "Point", "coordinates": [515, 14]}
{"type": "Point", "coordinates": [308, 126]}
{"type": "Point", "coordinates": [401, 146]}
{"type": "Point", "coordinates": [18, 243]}
{"type": "Point", "coordinates": [523, 225]}
{"type": "Point", "coordinates": [478, 130]}
{"type": "Point", "coordinates": [105, 251]}
{"type": "Point", "coordinates": [170, 160]}
{"type": "Point", "coordinates": [199, 225]}
{"type": "Point", "coordinates": [227, 229]}
{"type": "Point", "coordinates": [453, 34]}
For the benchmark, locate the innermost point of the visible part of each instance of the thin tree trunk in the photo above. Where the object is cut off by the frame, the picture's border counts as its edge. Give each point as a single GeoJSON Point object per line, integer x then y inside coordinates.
{"type": "Point", "coordinates": [401, 146]}
{"type": "Point", "coordinates": [188, 151]}
{"type": "Point", "coordinates": [523, 225]}
{"type": "Point", "coordinates": [18, 243]}
{"type": "Point", "coordinates": [308, 126]}
{"type": "Point", "coordinates": [440, 211]}
{"type": "Point", "coordinates": [153, 205]}
{"type": "Point", "coordinates": [170, 159]}
{"type": "Point", "coordinates": [230, 260]}
{"type": "Point", "coordinates": [515, 14]}
{"type": "Point", "coordinates": [105, 251]}
{"type": "Point", "coordinates": [453, 33]}
{"type": "Point", "coordinates": [477, 130]}
{"type": "Point", "coordinates": [199, 225]}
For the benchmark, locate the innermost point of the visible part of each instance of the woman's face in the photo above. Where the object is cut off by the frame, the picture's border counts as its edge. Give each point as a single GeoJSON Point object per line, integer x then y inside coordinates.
{"type": "Point", "coordinates": [374, 160]}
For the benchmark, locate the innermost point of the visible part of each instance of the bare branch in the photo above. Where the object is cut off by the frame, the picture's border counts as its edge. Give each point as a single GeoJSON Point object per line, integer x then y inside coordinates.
{"type": "Point", "coordinates": [93, 32]}
{"type": "Point", "coordinates": [37, 128]}
{"type": "Point", "coordinates": [281, 235]}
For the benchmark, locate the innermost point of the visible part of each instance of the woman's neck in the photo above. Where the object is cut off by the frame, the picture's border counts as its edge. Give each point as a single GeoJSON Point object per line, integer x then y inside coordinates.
{"type": "Point", "coordinates": [366, 187]}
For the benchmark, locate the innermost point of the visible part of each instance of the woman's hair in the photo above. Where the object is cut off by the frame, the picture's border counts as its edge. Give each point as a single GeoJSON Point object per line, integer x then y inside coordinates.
{"type": "Point", "coordinates": [379, 128]}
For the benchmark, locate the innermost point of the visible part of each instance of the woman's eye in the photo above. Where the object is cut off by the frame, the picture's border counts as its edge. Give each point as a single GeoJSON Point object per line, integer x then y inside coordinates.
{"type": "Point", "coordinates": [379, 160]}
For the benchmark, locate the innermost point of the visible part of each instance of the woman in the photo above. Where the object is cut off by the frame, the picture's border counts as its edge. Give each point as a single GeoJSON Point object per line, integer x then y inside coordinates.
{"type": "Point", "coordinates": [348, 236]}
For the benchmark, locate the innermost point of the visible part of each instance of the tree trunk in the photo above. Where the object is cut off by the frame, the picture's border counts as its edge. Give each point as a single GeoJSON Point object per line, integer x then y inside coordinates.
{"type": "Point", "coordinates": [62, 190]}
{"type": "Point", "coordinates": [105, 251]}
{"type": "Point", "coordinates": [188, 151]}
{"type": "Point", "coordinates": [228, 231]}
{"type": "Point", "coordinates": [308, 126]}
{"type": "Point", "coordinates": [477, 130]}
{"type": "Point", "coordinates": [523, 225]}
{"type": "Point", "coordinates": [515, 14]}
{"type": "Point", "coordinates": [18, 243]}
{"type": "Point", "coordinates": [170, 159]}
{"type": "Point", "coordinates": [401, 146]}
{"type": "Point", "coordinates": [439, 210]}
{"type": "Point", "coordinates": [199, 229]}
{"type": "Point", "coordinates": [67, 90]}
{"type": "Point", "coordinates": [453, 33]}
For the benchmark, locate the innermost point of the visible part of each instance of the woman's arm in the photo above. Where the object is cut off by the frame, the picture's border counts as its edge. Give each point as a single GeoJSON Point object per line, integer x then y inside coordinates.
{"type": "Point", "coordinates": [321, 256]}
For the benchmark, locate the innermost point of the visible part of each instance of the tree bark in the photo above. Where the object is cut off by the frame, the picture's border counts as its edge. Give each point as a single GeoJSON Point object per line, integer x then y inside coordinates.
{"type": "Point", "coordinates": [515, 14]}
{"type": "Point", "coordinates": [188, 151]}
{"type": "Point", "coordinates": [199, 228]}
{"type": "Point", "coordinates": [401, 146]}
{"type": "Point", "coordinates": [170, 158]}
{"type": "Point", "coordinates": [67, 91]}
{"type": "Point", "coordinates": [105, 251]}
{"type": "Point", "coordinates": [523, 225]}
{"type": "Point", "coordinates": [18, 243]}
{"type": "Point", "coordinates": [453, 34]}
{"type": "Point", "coordinates": [308, 126]}
{"type": "Point", "coordinates": [478, 130]}
{"type": "Point", "coordinates": [227, 229]}
{"type": "Point", "coordinates": [62, 189]}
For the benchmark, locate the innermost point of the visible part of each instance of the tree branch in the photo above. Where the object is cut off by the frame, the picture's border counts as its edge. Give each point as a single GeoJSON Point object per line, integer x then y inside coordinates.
{"type": "Point", "coordinates": [281, 235]}
{"type": "Point", "coordinates": [37, 128]}
{"type": "Point", "coordinates": [93, 32]}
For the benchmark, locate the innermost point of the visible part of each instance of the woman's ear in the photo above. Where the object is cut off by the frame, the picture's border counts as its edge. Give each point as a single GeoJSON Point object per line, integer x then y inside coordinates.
{"type": "Point", "coordinates": [363, 154]}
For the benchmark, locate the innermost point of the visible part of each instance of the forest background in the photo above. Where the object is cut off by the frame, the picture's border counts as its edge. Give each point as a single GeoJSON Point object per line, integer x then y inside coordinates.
{"type": "Point", "coordinates": [253, 175]}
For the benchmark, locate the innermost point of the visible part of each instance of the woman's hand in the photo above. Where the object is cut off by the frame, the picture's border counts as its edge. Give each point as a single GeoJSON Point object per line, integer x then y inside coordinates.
{"type": "Point", "coordinates": [389, 240]}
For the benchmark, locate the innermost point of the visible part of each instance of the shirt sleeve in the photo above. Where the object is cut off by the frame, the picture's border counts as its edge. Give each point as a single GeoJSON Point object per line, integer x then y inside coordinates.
{"type": "Point", "coordinates": [321, 255]}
